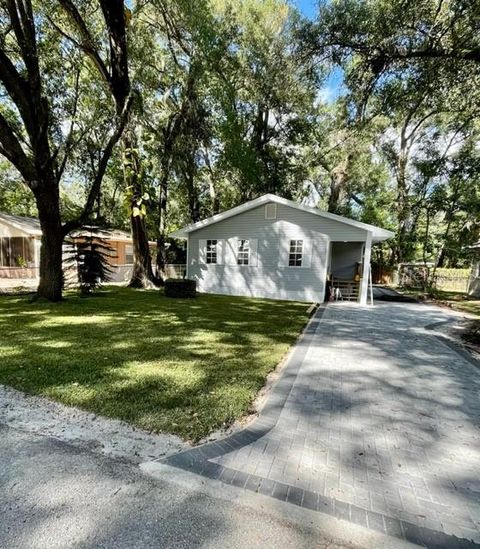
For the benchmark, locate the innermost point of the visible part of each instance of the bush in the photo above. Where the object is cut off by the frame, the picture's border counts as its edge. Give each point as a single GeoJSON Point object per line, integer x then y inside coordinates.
{"type": "Point", "coordinates": [89, 257]}
{"type": "Point", "coordinates": [178, 287]}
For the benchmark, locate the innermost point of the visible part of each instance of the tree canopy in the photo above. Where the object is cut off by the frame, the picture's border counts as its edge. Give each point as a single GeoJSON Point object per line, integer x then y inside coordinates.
{"type": "Point", "coordinates": [160, 112]}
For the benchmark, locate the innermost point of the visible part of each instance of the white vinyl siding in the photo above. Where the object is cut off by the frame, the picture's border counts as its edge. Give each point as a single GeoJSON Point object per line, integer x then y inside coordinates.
{"type": "Point", "coordinates": [268, 274]}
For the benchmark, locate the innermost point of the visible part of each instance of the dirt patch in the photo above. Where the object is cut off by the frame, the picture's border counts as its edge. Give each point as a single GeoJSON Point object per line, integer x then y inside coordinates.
{"type": "Point", "coordinates": [472, 334]}
{"type": "Point", "coordinates": [464, 333]}
{"type": "Point", "coordinates": [105, 436]}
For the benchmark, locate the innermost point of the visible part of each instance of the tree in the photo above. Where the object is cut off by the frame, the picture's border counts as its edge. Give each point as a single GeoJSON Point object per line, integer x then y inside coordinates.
{"type": "Point", "coordinates": [415, 65]}
{"type": "Point", "coordinates": [433, 40]}
{"type": "Point", "coordinates": [15, 197]}
{"type": "Point", "coordinates": [31, 138]}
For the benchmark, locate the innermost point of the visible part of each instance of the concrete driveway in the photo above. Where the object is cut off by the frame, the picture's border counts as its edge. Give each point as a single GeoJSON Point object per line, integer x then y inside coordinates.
{"type": "Point", "coordinates": [375, 421]}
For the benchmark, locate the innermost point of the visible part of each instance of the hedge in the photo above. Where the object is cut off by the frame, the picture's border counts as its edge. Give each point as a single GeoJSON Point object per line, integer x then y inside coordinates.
{"type": "Point", "coordinates": [180, 287]}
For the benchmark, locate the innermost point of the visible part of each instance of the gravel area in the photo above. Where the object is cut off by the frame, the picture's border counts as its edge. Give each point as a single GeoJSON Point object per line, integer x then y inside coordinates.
{"type": "Point", "coordinates": [105, 436]}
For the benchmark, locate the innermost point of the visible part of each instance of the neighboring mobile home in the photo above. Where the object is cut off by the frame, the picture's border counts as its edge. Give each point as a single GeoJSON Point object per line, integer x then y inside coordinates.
{"type": "Point", "coordinates": [20, 241]}
{"type": "Point", "coordinates": [275, 248]}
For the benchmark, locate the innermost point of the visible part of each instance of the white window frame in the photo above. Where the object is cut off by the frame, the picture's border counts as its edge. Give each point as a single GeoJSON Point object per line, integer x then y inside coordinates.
{"type": "Point", "coordinates": [243, 253]}
{"type": "Point", "coordinates": [211, 253]}
{"type": "Point", "coordinates": [297, 250]}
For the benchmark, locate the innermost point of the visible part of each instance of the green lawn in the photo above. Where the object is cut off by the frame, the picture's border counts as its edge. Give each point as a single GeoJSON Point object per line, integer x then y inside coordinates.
{"type": "Point", "coordinates": [179, 366]}
{"type": "Point", "coordinates": [458, 301]}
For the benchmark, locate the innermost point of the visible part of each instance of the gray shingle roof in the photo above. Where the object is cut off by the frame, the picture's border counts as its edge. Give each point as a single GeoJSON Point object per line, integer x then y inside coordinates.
{"type": "Point", "coordinates": [29, 225]}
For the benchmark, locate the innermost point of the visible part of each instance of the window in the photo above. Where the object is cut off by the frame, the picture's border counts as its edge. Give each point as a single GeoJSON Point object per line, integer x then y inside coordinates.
{"type": "Point", "coordinates": [128, 254]}
{"type": "Point", "coordinates": [16, 251]}
{"type": "Point", "coordinates": [295, 253]}
{"type": "Point", "coordinates": [212, 251]}
{"type": "Point", "coordinates": [243, 252]}
{"type": "Point", "coordinates": [270, 211]}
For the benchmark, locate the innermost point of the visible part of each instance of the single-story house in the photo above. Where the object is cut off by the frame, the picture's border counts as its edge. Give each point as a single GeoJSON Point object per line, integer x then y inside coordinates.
{"type": "Point", "coordinates": [474, 282]}
{"type": "Point", "coordinates": [20, 242]}
{"type": "Point", "coordinates": [275, 248]}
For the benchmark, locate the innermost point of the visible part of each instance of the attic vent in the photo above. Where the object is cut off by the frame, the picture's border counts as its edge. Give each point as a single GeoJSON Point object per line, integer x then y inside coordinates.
{"type": "Point", "coordinates": [270, 211]}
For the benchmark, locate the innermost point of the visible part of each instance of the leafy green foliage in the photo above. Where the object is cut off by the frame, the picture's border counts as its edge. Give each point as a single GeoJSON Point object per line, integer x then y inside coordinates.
{"type": "Point", "coordinates": [90, 260]}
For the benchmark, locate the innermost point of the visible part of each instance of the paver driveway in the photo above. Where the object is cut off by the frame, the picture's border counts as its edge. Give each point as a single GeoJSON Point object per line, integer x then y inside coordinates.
{"type": "Point", "coordinates": [375, 420]}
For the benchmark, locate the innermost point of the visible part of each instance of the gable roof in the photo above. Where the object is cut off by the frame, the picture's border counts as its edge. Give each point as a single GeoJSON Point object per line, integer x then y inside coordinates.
{"type": "Point", "coordinates": [31, 226]}
{"type": "Point", "coordinates": [378, 234]}
{"type": "Point", "coordinates": [28, 225]}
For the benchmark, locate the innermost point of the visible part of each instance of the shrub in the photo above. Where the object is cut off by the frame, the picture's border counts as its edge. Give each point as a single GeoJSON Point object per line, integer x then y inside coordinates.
{"type": "Point", "coordinates": [89, 256]}
{"type": "Point", "coordinates": [178, 287]}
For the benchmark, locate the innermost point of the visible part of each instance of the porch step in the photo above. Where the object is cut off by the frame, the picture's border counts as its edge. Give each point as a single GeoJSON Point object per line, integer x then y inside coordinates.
{"type": "Point", "coordinates": [347, 290]}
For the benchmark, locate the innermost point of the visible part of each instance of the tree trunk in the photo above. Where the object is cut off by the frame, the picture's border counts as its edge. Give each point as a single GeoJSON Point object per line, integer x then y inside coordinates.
{"type": "Point", "coordinates": [338, 180]}
{"type": "Point", "coordinates": [162, 214]}
{"type": "Point", "coordinates": [142, 274]}
{"type": "Point", "coordinates": [189, 174]}
{"type": "Point", "coordinates": [214, 200]}
{"type": "Point", "coordinates": [402, 202]}
{"type": "Point", "coordinates": [50, 272]}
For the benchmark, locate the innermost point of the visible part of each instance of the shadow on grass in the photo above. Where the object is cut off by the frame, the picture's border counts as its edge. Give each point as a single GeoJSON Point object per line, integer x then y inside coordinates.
{"type": "Point", "coordinates": [180, 366]}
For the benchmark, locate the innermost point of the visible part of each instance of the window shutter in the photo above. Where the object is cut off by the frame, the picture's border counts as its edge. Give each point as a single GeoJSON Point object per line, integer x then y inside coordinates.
{"type": "Point", "coordinates": [221, 252]}
{"type": "Point", "coordinates": [202, 251]}
{"type": "Point", "coordinates": [231, 245]}
{"type": "Point", "coordinates": [284, 251]}
{"type": "Point", "coordinates": [307, 253]}
{"type": "Point", "coordinates": [253, 252]}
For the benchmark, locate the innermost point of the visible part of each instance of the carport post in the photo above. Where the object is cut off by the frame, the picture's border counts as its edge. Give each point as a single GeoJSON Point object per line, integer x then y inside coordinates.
{"type": "Point", "coordinates": [365, 269]}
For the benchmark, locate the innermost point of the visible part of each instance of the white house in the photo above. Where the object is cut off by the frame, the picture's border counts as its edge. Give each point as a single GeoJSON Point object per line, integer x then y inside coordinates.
{"type": "Point", "coordinates": [275, 248]}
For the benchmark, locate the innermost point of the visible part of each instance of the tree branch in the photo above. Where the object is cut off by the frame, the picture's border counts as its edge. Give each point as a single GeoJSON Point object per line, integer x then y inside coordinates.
{"type": "Point", "coordinates": [12, 150]}
{"type": "Point", "coordinates": [87, 43]}
{"type": "Point", "coordinates": [102, 167]}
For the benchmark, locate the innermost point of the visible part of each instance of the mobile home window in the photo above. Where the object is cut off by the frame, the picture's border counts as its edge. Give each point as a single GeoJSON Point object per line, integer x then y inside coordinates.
{"type": "Point", "coordinates": [243, 252]}
{"type": "Point", "coordinates": [128, 254]}
{"type": "Point", "coordinates": [296, 253]}
{"type": "Point", "coordinates": [16, 251]}
{"type": "Point", "coordinates": [212, 251]}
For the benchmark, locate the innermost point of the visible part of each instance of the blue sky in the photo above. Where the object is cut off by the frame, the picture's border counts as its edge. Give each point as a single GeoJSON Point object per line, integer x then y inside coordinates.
{"type": "Point", "coordinates": [333, 85]}
{"type": "Point", "coordinates": [307, 7]}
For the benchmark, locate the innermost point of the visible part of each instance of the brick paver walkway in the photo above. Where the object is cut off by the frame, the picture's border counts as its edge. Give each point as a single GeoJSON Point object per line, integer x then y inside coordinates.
{"type": "Point", "coordinates": [375, 421]}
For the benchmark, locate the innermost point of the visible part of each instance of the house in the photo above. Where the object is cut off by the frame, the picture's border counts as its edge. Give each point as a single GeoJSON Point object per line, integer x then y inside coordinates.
{"type": "Point", "coordinates": [275, 248]}
{"type": "Point", "coordinates": [20, 239]}
{"type": "Point", "coordinates": [474, 282]}
{"type": "Point", "coordinates": [20, 242]}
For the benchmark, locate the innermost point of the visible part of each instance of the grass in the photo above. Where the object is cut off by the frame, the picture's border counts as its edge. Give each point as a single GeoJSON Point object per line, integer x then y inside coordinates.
{"type": "Point", "coordinates": [459, 301]}
{"type": "Point", "coordinates": [185, 367]}
{"type": "Point", "coordinates": [456, 300]}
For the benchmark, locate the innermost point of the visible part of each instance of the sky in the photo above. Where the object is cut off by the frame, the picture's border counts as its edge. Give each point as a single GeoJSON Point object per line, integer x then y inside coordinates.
{"type": "Point", "coordinates": [307, 7]}
{"type": "Point", "coordinates": [333, 85]}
